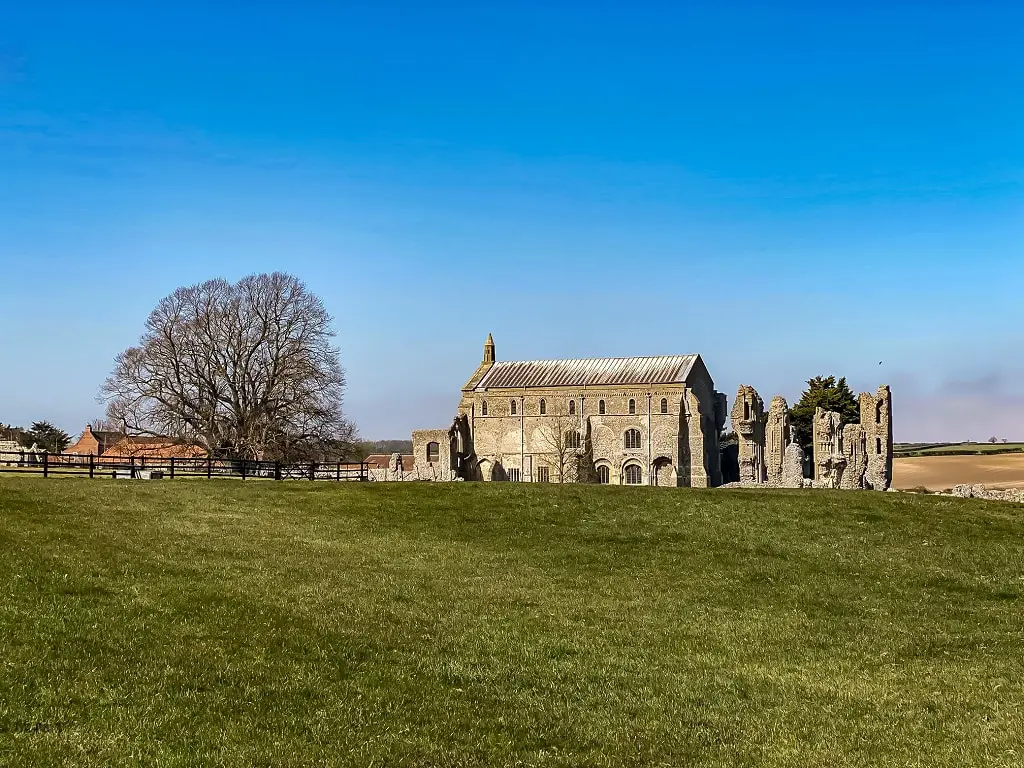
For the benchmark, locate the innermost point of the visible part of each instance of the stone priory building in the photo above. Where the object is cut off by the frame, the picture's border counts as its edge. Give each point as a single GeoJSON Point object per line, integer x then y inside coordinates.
{"type": "Point", "coordinates": [625, 420]}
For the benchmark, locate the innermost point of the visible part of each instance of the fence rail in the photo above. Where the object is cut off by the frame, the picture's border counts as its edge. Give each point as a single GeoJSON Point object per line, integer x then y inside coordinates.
{"type": "Point", "coordinates": [171, 467]}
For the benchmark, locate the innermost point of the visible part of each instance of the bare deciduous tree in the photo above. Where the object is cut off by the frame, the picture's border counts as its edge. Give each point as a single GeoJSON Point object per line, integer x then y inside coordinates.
{"type": "Point", "coordinates": [246, 370]}
{"type": "Point", "coordinates": [562, 445]}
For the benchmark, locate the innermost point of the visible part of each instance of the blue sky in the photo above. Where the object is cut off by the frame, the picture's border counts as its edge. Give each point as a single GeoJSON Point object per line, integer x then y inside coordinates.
{"type": "Point", "coordinates": [786, 188]}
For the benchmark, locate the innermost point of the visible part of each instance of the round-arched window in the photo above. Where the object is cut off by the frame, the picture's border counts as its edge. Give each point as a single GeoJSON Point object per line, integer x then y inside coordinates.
{"type": "Point", "coordinates": [632, 406]}
{"type": "Point", "coordinates": [543, 407]}
{"type": "Point", "coordinates": [572, 407]}
{"type": "Point", "coordinates": [512, 407]}
{"type": "Point", "coordinates": [600, 407]}
{"type": "Point", "coordinates": [483, 408]}
{"type": "Point", "coordinates": [664, 405]}
{"type": "Point", "coordinates": [634, 475]}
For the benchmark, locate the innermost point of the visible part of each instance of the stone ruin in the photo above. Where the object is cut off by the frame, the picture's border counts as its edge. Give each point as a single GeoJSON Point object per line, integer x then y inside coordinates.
{"type": "Point", "coordinates": [851, 456]}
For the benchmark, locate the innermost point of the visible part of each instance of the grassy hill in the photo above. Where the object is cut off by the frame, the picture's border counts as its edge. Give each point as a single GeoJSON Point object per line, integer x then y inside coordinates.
{"type": "Point", "coordinates": [230, 623]}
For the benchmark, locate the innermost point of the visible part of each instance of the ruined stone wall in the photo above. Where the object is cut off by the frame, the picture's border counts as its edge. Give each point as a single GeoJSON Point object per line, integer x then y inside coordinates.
{"type": "Point", "coordinates": [876, 419]}
{"type": "Point", "coordinates": [776, 438]}
{"type": "Point", "coordinates": [854, 446]}
{"type": "Point", "coordinates": [748, 420]}
{"type": "Point", "coordinates": [423, 438]}
{"type": "Point", "coordinates": [829, 461]}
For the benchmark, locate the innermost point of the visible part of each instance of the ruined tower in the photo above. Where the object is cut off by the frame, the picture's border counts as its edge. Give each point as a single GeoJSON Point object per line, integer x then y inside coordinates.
{"type": "Point", "coordinates": [748, 421]}
{"type": "Point", "coordinates": [876, 419]}
{"type": "Point", "coordinates": [776, 438]}
{"type": "Point", "coordinates": [829, 461]}
{"type": "Point", "coordinates": [855, 452]}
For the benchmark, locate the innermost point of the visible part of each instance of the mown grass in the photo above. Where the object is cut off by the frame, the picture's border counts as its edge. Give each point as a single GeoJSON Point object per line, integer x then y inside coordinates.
{"type": "Point", "coordinates": [227, 623]}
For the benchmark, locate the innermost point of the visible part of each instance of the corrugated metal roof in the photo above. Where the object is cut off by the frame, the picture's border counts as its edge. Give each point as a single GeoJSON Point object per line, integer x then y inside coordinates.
{"type": "Point", "coordinates": [592, 372]}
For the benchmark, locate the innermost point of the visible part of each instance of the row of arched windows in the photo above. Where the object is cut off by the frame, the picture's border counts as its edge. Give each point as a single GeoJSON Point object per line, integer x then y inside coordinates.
{"type": "Point", "coordinates": [513, 405]}
{"type": "Point", "coordinates": [632, 474]}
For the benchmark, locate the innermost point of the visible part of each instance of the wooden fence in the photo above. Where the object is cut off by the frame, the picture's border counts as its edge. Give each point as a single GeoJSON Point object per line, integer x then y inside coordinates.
{"type": "Point", "coordinates": [154, 467]}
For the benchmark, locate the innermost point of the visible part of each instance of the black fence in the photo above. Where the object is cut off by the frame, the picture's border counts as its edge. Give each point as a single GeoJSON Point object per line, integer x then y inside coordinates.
{"type": "Point", "coordinates": [170, 467]}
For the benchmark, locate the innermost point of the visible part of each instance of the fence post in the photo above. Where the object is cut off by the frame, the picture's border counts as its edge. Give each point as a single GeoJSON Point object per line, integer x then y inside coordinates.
{"type": "Point", "coordinates": [46, 464]}
{"type": "Point", "coordinates": [172, 467]}
{"type": "Point", "coordinates": [92, 467]}
{"type": "Point", "coordinates": [277, 470]}
{"type": "Point", "coordinates": [312, 470]}
{"type": "Point", "coordinates": [142, 460]}
{"type": "Point", "coordinates": [337, 473]}
{"type": "Point", "coordinates": [243, 469]}
{"type": "Point", "coordinates": [209, 466]}
{"type": "Point", "coordinates": [133, 468]}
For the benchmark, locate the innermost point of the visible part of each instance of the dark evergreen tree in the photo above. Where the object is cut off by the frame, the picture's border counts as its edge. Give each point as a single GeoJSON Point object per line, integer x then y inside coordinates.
{"type": "Point", "coordinates": [46, 436]}
{"type": "Point", "coordinates": [823, 392]}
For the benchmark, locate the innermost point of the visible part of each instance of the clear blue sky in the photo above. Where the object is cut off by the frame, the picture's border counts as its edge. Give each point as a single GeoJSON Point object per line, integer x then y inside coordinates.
{"type": "Point", "coordinates": [786, 188]}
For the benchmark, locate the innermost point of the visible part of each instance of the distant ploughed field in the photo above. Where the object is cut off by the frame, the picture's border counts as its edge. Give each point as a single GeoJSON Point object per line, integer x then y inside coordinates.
{"type": "Point", "coordinates": [939, 472]}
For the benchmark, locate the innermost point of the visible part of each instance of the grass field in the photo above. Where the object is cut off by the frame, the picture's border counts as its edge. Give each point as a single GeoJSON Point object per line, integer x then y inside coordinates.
{"type": "Point", "coordinates": [286, 624]}
{"type": "Point", "coordinates": [937, 473]}
{"type": "Point", "coordinates": [955, 449]}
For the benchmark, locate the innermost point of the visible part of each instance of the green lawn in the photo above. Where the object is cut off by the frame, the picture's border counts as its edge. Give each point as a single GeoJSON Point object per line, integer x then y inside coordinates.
{"type": "Point", "coordinates": [955, 449]}
{"type": "Point", "coordinates": [281, 624]}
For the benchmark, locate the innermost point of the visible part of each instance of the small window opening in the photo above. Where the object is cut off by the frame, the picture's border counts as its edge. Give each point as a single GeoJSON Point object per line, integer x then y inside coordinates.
{"type": "Point", "coordinates": [483, 408]}
{"type": "Point", "coordinates": [600, 407]}
{"type": "Point", "coordinates": [664, 405]}
{"type": "Point", "coordinates": [433, 453]}
{"type": "Point", "coordinates": [632, 406]}
{"type": "Point", "coordinates": [512, 407]}
{"type": "Point", "coordinates": [572, 407]}
{"type": "Point", "coordinates": [543, 407]}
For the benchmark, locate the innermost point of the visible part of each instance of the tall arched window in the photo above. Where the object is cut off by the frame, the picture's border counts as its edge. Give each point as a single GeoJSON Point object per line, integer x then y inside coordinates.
{"type": "Point", "coordinates": [600, 407]}
{"type": "Point", "coordinates": [512, 407]}
{"type": "Point", "coordinates": [878, 412]}
{"type": "Point", "coordinates": [664, 405]}
{"type": "Point", "coordinates": [603, 475]}
{"type": "Point", "coordinates": [483, 408]}
{"type": "Point", "coordinates": [632, 439]}
{"type": "Point", "coordinates": [632, 406]}
{"type": "Point", "coordinates": [572, 439]}
{"type": "Point", "coordinates": [543, 407]}
{"type": "Point", "coordinates": [572, 407]}
{"type": "Point", "coordinates": [634, 475]}
{"type": "Point", "coordinates": [433, 453]}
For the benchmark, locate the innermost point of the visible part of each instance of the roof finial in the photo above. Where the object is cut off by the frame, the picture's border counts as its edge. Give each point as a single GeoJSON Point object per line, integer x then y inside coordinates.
{"type": "Point", "coordinates": [489, 349]}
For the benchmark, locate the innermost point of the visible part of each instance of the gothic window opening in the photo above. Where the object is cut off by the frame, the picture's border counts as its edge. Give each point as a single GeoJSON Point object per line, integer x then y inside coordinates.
{"type": "Point", "coordinates": [600, 407]}
{"type": "Point", "coordinates": [603, 475]}
{"type": "Point", "coordinates": [572, 439]}
{"type": "Point", "coordinates": [543, 474]}
{"type": "Point", "coordinates": [878, 412]}
{"type": "Point", "coordinates": [543, 407]}
{"type": "Point", "coordinates": [634, 475]}
{"type": "Point", "coordinates": [632, 439]}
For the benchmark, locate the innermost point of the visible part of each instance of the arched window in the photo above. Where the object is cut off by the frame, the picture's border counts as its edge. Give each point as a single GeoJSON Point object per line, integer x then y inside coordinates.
{"type": "Point", "coordinates": [634, 475]}
{"type": "Point", "coordinates": [512, 407]}
{"type": "Point", "coordinates": [572, 439]}
{"type": "Point", "coordinates": [878, 412]}
{"type": "Point", "coordinates": [600, 407]}
{"type": "Point", "coordinates": [746, 411]}
{"type": "Point", "coordinates": [543, 407]}
{"type": "Point", "coordinates": [433, 453]}
{"type": "Point", "coordinates": [483, 408]}
{"type": "Point", "coordinates": [632, 439]}
{"type": "Point", "coordinates": [632, 406]}
{"type": "Point", "coordinates": [572, 407]}
{"type": "Point", "coordinates": [664, 405]}
{"type": "Point", "coordinates": [603, 475]}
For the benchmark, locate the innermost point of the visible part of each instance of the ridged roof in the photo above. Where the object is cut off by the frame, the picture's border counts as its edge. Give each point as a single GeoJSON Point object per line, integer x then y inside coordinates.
{"type": "Point", "coordinates": [591, 372]}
